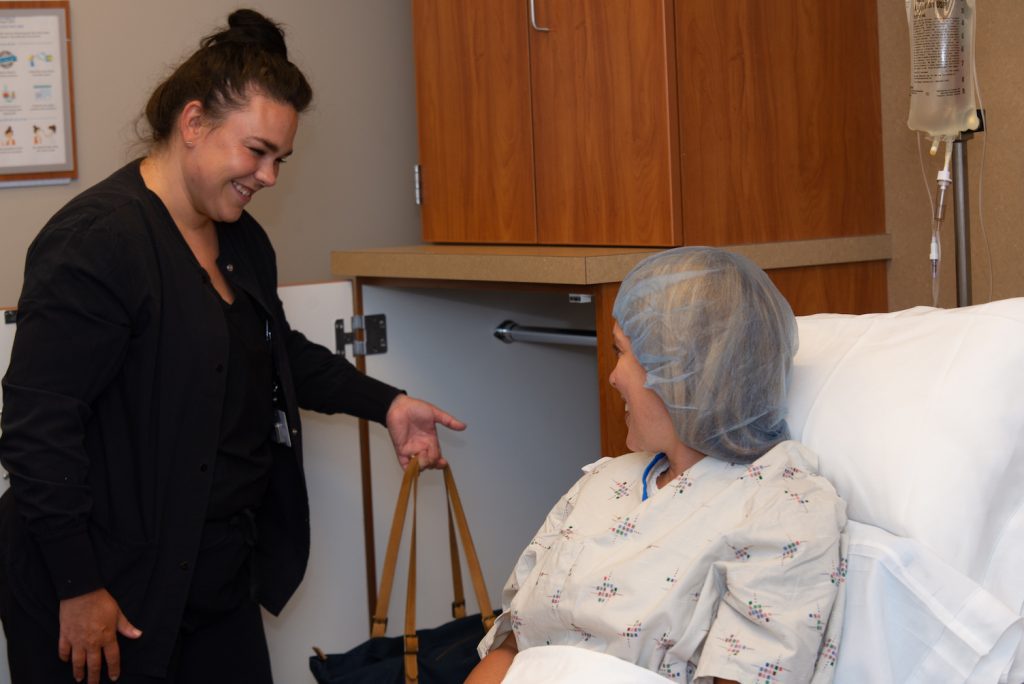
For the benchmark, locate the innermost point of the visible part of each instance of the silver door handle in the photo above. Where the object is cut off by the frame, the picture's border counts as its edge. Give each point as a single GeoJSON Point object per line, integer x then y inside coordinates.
{"type": "Point", "coordinates": [533, 17]}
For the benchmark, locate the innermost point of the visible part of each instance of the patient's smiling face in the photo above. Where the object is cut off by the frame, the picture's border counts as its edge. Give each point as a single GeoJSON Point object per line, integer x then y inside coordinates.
{"type": "Point", "coordinates": [649, 426]}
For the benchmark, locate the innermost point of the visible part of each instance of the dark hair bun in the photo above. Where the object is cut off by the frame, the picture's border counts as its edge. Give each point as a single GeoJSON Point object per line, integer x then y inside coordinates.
{"type": "Point", "coordinates": [249, 56]}
{"type": "Point", "coordinates": [249, 26]}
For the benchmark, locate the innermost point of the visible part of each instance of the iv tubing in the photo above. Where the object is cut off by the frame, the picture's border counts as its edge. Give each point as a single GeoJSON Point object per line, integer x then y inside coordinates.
{"type": "Point", "coordinates": [942, 183]}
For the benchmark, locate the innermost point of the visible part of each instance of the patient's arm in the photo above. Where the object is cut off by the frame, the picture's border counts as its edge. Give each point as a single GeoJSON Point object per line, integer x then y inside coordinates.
{"type": "Point", "coordinates": [496, 663]}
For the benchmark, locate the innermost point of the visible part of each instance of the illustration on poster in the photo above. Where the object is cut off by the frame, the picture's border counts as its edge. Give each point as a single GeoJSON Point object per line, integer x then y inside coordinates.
{"type": "Point", "coordinates": [41, 135]}
{"type": "Point", "coordinates": [39, 59]}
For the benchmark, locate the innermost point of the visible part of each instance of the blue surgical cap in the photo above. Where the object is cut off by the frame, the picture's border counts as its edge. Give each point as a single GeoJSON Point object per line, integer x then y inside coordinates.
{"type": "Point", "coordinates": [717, 341]}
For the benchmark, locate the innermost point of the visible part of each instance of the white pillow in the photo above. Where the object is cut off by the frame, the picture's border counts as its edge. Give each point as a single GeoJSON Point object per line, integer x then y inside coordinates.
{"type": "Point", "coordinates": [910, 617]}
{"type": "Point", "coordinates": [918, 418]}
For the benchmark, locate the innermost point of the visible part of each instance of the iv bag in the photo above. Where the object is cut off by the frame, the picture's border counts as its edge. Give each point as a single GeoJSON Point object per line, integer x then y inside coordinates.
{"type": "Point", "coordinates": [941, 67]}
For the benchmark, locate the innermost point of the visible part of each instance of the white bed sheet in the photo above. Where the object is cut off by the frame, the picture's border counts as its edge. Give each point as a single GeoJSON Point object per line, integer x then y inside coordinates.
{"type": "Point", "coordinates": [911, 618]}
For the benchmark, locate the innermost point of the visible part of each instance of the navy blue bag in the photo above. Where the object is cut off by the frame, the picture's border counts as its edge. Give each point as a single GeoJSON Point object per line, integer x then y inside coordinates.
{"type": "Point", "coordinates": [432, 656]}
{"type": "Point", "coordinates": [446, 654]}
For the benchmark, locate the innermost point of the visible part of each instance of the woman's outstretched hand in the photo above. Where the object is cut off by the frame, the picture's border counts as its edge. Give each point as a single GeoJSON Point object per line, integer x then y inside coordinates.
{"type": "Point", "coordinates": [412, 424]}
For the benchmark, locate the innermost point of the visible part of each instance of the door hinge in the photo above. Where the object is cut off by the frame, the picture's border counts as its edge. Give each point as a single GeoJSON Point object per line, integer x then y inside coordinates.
{"type": "Point", "coordinates": [375, 335]}
{"type": "Point", "coordinates": [418, 183]}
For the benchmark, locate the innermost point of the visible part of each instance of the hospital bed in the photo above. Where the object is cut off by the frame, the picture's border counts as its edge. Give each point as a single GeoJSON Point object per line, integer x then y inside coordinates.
{"type": "Point", "coordinates": [919, 423]}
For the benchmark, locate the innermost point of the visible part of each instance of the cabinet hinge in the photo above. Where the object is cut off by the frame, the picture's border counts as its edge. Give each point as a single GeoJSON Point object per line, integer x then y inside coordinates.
{"type": "Point", "coordinates": [418, 184]}
{"type": "Point", "coordinates": [375, 335]}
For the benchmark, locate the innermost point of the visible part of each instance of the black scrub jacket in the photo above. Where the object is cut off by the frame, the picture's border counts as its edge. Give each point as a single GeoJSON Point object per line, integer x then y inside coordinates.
{"type": "Point", "coordinates": [112, 407]}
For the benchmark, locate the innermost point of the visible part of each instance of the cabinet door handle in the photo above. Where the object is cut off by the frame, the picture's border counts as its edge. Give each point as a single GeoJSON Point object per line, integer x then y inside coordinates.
{"type": "Point", "coordinates": [533, 17]}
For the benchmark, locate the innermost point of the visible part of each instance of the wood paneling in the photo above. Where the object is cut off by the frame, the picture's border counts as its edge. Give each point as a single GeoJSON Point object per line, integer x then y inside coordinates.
{"type": "Point", "coordinates": [475, 135]}
{"type": "Point", "coordinates": [606, 151]}
{"type": "Point", "coordinates": [838, 288]}
{"type": "Point", "coordinates": [613, 408]}
{"type": "Point", "coordinates": [780, 120]}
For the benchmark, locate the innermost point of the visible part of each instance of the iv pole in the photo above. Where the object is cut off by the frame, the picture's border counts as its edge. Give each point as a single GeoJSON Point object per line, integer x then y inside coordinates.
{"type": "Point", "coordinates": [962, 216]}
{"type": "Point", "coordinates": [962, 213]}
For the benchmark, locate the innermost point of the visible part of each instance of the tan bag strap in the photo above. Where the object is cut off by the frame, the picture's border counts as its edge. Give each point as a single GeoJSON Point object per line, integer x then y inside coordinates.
{"type": "Point", "coordinates": [472, 561]}
{"type": "Point", "coordinates": [410, 642]}
{"type": "Point", "coordinates": [379, 624]}
{"type": "Point", "coordinates": [459, 597]}
{"type": "Point", "coordinates": [456, 511]}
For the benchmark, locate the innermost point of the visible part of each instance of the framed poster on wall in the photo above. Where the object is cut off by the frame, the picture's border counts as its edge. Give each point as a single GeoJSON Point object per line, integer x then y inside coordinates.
{"type": "Point", "coordinates": [37, 123]}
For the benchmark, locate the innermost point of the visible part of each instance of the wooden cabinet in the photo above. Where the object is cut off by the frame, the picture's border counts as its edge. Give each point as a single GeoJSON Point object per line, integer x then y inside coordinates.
{"type": "Point", "coordinates": [648, 122]}
{"type": "Point", "coordinates": [605, 148]}
{"type": "Point", "coordinates": [566, 136]}
{"type": "Point", "coordinates": [475, 122]}
{"type": "Point", "coordinates": [780, 115]}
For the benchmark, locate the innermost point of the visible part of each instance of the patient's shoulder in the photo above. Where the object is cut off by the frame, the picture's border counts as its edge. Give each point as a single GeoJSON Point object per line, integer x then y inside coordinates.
{"type": "Point", "coordinates": [632, 464]}
{"type": "Point", "coordinates": [789, 474]}
{"type": "Point", "coordinates": [789, 461]}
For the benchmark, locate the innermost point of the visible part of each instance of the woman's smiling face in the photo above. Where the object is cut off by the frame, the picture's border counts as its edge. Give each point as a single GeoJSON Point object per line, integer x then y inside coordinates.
{"type": "Point", "coordinates": [230, 160]}
{"type": "Point", "coordinates": [649, 426]}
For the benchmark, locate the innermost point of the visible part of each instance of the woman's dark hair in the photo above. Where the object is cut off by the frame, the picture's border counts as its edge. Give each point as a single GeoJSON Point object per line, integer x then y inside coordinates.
{"type": "Point", "coordinates": [248, 57]}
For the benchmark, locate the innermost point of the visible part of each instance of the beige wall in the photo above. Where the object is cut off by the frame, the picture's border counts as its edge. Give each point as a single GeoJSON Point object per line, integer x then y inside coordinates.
{"type": "Point", "coordinates": [350, 181]}
{"type": "Point", "coordinates": [1000, 64]}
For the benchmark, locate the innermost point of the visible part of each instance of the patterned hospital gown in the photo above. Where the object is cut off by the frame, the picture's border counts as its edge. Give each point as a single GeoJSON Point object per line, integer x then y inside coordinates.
{"type": "Point", "coordinates": [732, 571]}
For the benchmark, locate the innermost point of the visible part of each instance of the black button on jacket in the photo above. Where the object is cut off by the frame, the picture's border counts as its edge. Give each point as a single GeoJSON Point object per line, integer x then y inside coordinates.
{"type": "Point", "coordinates": [112, 408]}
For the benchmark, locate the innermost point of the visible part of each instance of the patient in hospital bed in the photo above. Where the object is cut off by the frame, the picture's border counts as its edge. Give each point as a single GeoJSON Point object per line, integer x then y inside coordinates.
{"type": "Point", "coordinates": [713, 552]}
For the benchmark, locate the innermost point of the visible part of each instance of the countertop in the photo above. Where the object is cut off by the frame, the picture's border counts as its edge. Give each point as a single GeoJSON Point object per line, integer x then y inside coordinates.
{"type": "Point", "coordinates": [576, 265]}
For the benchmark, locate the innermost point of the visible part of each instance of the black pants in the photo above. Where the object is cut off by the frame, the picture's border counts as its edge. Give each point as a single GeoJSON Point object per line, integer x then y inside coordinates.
{"type": "Point", "coordinates": [228, 648]}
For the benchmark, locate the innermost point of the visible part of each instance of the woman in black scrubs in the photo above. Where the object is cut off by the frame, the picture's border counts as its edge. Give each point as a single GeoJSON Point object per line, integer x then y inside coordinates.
{"type": "Point", "coordinates": [151, 425]}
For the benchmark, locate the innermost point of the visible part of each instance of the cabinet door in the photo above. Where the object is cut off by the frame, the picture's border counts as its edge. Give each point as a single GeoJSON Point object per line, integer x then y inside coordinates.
{"type": "Point", "coordinates": [780, 115]}
{"type": "Point", "coordinates": [475, 130]}
{"type": "Point", "coordinates": [604, 122]}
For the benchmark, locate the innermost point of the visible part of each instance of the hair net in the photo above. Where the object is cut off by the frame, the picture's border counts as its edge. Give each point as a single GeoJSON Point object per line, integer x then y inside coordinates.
{"type": "Point", "coordinates": [717, 340]}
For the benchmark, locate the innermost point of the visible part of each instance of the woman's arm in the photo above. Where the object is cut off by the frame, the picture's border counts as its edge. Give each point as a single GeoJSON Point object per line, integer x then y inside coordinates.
{"type": "Point", "coordinates": [74, 326]}
{"type": "Point", "coordinates": [493, 667]}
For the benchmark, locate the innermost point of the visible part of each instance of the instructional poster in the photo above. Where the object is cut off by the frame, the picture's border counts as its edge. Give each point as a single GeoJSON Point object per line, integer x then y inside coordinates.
{"type": "Point", "coordinates": [34, 93]}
